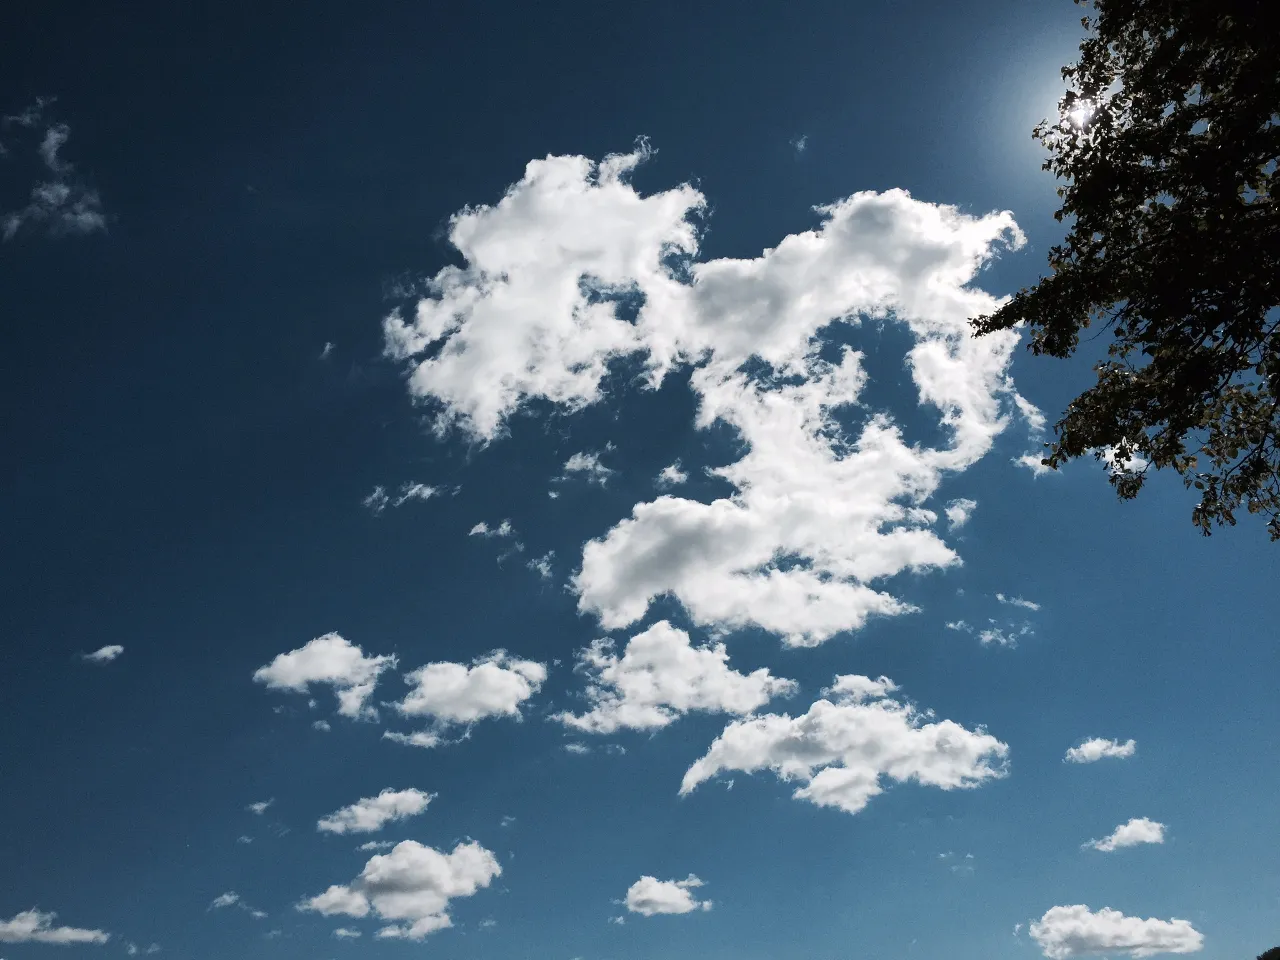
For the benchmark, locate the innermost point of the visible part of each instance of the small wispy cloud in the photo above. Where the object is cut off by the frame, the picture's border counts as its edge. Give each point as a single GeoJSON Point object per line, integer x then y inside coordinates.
{"type": "Point", "coordinates": [482, 529]}
{"type": "Point", "coordinates": [542, 565]}
{"type": "Point", "coordinates": [800, 144]}
{"type": "Point", "coordinates": [59, 203]}
{"type": "Point", "coordinates": [587, 464]}
{"type": "Point", "coordinates": [104, 654]}
{"type": "Point", "coordinates": [1017, 602]}
{"type": "Point", "coordinates": [260, 807]}
{"type": "Point", "coordinates": [378, 500]}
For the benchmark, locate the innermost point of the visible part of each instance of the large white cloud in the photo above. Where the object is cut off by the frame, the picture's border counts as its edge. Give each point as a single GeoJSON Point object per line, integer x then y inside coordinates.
{"type": "Point", "coordinates": [333, 660]}
{"type": "Point", "coordinates": [660, 676]}
{"type": "Point", "coordinates": [370, 814]}
{"type": "Point", "coordinates": [1091, 751]}
{"type": "Point", "coordinates": [449, 694]}
{"type": "Point", "coordinates": [819, 511]}
{"type": "Point", "coordinates": [411, 886]}
{"type": "Point", "coordinates": [1074, 931]}
{"type": "Point", "coordinates": [1137, 831]}
{"type": "Point", "coordinates": [650, 896]}
{"type": "Point", "coordinates": [843, 746]}
{"type": "Point", "coordinates": [33, 926]}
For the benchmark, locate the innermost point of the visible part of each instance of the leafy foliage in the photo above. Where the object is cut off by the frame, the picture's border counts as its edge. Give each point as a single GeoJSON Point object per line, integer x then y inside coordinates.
{"type": "Point", "coordinates": [1167, 143]}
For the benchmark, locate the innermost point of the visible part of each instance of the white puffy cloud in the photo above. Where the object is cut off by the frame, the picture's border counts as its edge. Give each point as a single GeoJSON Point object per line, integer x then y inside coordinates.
{"type": "Point", "coordinates": [260, 807]}
{"type": "Point", "coordinates": [840, 750]}
{"type": "Point", "coordinates": [1136, 831]}
{"type": "Point", "coordinates": [333, 660]}
{"type": "Point", "coordinates": [410, 886]}
{"type": "Point", "coordinates": [33, 926]}
{"type": "Point", "coordinates": [1075, 931]}
{"type": "Point", "coordinates": [1099, 748]}
{"type": "Point", "coordinates": [650, 896]}
{"type": "Point", "coordinates": [671, 476]}
{"type": "Point", "coordinates": [959, 511]}
{"type": "Point", "coordinates": [1018, 602]}
{"type": "Point", "coordinates": [820, 511]}
{"type": "Point", "coordinates": [370, 814]}
{"type": "Point", "coordinates": [105, 654]}
{"type": "Point", "coordinates": [224, 900]}
{"type": "Point", "coordinates": [587, 464]}
{"type": "Point", "coordinates": [59, 204]}
{"type": "Point", "coordinates": [494, 685]}
{"type": "Point", "coordinates": [661, 676]}
{"type": "Point", "coordinates": [1034, 463]}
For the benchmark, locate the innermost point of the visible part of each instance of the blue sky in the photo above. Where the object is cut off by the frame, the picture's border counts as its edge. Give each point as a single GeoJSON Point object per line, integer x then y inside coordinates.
{"type": "Point", "coordinates": [793, 650]}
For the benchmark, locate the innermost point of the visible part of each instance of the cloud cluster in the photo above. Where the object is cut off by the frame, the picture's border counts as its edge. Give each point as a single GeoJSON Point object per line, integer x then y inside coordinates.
{"type": "Point", "coordinates": [661, 676]}
{"type": "Point", "coordinates": [574, 269]}
{"type": "Point", "coordinates": [650, 896]}
{"type": "Point", "coordinates": [1099, 748]}
{"type": "Point", "coordinates": [410, 886]}
{"type": "Point", "coordinates": [370, 814]}
{"type": "Point", "coordinates": [1075, 931]}
{"type": "Point", "coordinates": [33, 926]}
{"type": "Point", "coordinates": [331, 660]}
{"type": "Point", "coordinates": [843, 746]}
{"type": "Point", "coordinates": [1137, 831]}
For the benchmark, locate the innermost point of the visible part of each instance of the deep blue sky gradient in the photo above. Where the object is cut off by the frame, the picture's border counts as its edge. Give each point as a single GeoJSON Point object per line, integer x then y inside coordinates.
{"type": "Point", "coordinates": [182, 474]}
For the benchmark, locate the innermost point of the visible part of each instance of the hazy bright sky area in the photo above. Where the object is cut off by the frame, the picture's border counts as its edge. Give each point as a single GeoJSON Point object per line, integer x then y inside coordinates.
{"type": "Point", "coordinates": [515, 481]}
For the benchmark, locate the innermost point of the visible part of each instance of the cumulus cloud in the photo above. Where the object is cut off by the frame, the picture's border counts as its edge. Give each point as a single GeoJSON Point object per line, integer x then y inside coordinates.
{"type": "Point", "coordinates": [661, 676]}
{"type": "Point", "coordinates": [33, 926]}
{"type": "Point", "coordinates": [333, 660]}
{"type": "Point", "coordinates": [59, 203]}
{"type": "Point", "coordinates": [491, 686]}
{"type": "Point", "coordinates": [224, 900]}
{"type": "Point", "coordinates": [1035, 463]}
{"type": "Point", "coordinates": [1137, 831]}
{"type": "Point", "coordinates": [650, 896]}
{"type": "Point", "coordinates": [574, 269]}
{"type": "Point", "coordinates": [1099, 748]}
{"type": "Point", "coordinates": [671, 476]}
{"type": "Point", "coordinates": [1017, 602]}
{"type": "Point", "coordinates": [959, 511]}
{"type": "Point", "coordinates": [587, 464]}
{"type": "Point", "coordinates": [370, 814]}
{"type": "Point", "coordinates": [105, 654]}
{"type": "Point", "coordinates": [411, 886]}
{"type": "Point", "coordinates": [843, 747]}
{"type": "Point", "coordinates": [1075, 931]}
{"type": "Point", "coordinates": [452, 694]}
